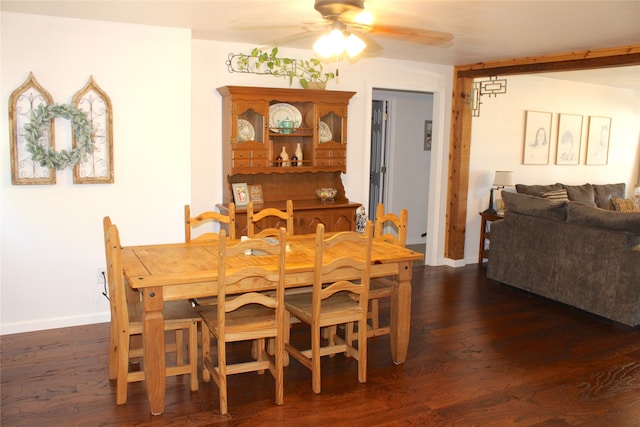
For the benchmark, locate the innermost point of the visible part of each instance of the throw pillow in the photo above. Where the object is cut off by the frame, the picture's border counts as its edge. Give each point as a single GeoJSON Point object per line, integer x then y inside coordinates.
{"type": "Point", "coordinates": [581, 193]}
{"type": "Point", "coordinates": [605, 192]}
{"type": "Point", "coordinates": [536, 190]}
{"type": "Point", "coordinates": [623, 205]}
{"type": "Point", "coordinates": [556, 196]}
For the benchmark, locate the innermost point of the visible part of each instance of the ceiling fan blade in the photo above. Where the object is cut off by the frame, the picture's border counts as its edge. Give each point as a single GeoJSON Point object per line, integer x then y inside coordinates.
{"type": "Point", "coordinates": [413, 35]}
{"type": "Point", "coordinates": [284, 41]}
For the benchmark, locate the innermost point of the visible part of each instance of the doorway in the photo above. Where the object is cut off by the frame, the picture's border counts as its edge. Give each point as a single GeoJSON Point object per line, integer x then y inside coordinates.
{"type": "Point", "coordinates": [400, 158]}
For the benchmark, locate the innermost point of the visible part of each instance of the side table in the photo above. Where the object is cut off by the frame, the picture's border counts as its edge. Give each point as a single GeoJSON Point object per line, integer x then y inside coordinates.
{"type": "Point", "coordinates": [485, 235]}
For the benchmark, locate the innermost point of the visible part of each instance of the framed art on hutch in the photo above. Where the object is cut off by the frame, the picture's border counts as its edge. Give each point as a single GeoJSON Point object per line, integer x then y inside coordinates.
{"type": "Point", "coordinates": [536, 138]}
{"type": "Point", "coordinates": [240, 193]}
{"type": "Point", "coordinates": [255, 193]}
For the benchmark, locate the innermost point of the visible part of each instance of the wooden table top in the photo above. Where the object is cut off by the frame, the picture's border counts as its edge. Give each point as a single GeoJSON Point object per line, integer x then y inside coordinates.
{"type": "Point", "coordinates": [195, 263]}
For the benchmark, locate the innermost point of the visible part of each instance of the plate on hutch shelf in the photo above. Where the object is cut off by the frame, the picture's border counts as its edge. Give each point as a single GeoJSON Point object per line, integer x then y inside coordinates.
{"type": "Point", "coordinates": [280, 112]}
{"type": "Point", "coordinates": [246, 132]}
{"type": "Point", "coordinates": [325, 132]}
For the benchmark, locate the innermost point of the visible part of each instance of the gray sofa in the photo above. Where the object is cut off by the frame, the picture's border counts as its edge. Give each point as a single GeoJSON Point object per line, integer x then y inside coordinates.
{"type": "Point", "coordinates": [575, 253]}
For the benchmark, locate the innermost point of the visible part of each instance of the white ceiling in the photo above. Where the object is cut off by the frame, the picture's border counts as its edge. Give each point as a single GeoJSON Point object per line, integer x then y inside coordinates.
{"type": "Point", "coordinates": [482, 30]}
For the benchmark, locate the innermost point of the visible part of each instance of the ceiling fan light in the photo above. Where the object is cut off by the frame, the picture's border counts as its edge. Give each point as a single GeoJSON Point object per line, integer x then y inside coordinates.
{"type": "Point", "coordinates": [322, 46]}
{"type": "Point", "coordinates": [331, 44]}
{"type": "Point", "coordinates": [363, 18]}
{"type": "Point", "coordinates": [354, 45]}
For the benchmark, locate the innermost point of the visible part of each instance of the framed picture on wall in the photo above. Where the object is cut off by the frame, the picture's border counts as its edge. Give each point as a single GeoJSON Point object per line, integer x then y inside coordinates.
{"type": "Point", "coordinates": [240, 194]}
{"type": "Point", "coordinates": [536, 138]}
{"type": "Point", "coordinates": [598, 140]}
{"type": "Point", "coordinates": [428, 133]}
{"type": "Point", "coordinates": [569, 136]}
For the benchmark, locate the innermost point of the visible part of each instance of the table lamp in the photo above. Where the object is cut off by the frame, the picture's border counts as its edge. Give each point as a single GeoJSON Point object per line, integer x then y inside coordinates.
{"type": "Point", "coordinates": [501, 179]}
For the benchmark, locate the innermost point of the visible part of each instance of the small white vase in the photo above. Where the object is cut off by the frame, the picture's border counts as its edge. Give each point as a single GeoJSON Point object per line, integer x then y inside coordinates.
{"type": "Point", "coordinates": [285, 157]}
{"type": "Point", "coordinates": [298, 154]}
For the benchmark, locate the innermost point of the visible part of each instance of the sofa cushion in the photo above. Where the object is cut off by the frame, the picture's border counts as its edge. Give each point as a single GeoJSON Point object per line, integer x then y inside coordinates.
{"type": "Point", "coordinates": [581, 194]}
{"type": "Point", "coordinates": [624, 205]}
{"type": "Point", "coordinates": [534, 206]}
{"type": "Point", "coordinates": [604, 193]}
{"type": "Point", "coordinates": [556, 195]}
{"type": "Point", "coordinates": [537, 190]}
{"type": "Point", "coordinates": [578, 213]}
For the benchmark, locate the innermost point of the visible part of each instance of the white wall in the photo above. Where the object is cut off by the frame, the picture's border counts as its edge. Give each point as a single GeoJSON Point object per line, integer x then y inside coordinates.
{"type": "Point", "coordinates": [497, 140]}
{"type": "Point", "coordinates": [51, 242]}
{"type": "Point", "coordinates": [167, 146]}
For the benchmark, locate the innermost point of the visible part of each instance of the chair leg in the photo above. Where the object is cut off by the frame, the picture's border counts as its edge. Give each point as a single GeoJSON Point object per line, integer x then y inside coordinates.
{"type": "Point", "coordinates": [206, 350]}
{"type": "Point", "coordinates": [222, 380]}
{"type": "Point", "coordinates": [193, 354]}
{"type": "Point", "coordinates": [113, 350]}
{"type": "Point", "coordinates": [375, 319]}
{"type": "Point", "coordinates": [123, 367]}
{"type": "Point", "coordinates": [362, 350]}
{"type": "Point", "coordinates": [349, 329]}
{"type": "Point", "coordinates": [331, 337]}
{"type": "Point", "coordinates": [179, 347]}
{"type": "Point", "coordinates": [279, 374]}
{"type": "Point", "coordinates": [286, 338]}
{"type": "Point", "coordinates": [261, 351]}
{"type": "Point", "coordinates": [315, 359]}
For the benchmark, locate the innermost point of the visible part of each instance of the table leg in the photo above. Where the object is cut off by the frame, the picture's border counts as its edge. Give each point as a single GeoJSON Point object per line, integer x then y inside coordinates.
{"type": "Point", "coordinates": [154, 348]}
{"type": "Point", "coordinates": [401, 314]}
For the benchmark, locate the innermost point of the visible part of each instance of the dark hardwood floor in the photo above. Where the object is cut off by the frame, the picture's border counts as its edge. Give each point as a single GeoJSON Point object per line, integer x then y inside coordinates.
{"type": "Point", "coordinates": [481, 354]}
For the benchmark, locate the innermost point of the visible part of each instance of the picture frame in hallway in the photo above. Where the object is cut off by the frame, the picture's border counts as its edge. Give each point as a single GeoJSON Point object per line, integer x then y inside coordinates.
{"type": "Point", "coordinates": [598, 140]}
{"type": "Point", "coordinates": [537, 131]}
{"type": "Point", "coordinates": [569, 139]}
{"type": "Point", "coordinates": [428, 133]}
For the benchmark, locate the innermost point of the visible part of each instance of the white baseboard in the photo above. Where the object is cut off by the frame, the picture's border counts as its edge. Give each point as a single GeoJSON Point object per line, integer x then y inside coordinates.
{"type": "Point", "coordinates": [60, 322]}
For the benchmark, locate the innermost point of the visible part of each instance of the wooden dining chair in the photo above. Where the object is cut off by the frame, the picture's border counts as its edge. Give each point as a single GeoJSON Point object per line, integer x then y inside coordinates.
{"type": "Point", "coordinates": [127, 322]}
{"type": "Point", "coordinates": [391, 228]}
{"type": "Point", "coordinates": [255, 316]}
{"type": "Point", "coordinates": [330, 303]}
{"type": "Point", "coordinates": [191, 223]}
{"type": "Point", "coordinates": [208, 217]}
{"type": "Point", "coordinates": [274, 219]}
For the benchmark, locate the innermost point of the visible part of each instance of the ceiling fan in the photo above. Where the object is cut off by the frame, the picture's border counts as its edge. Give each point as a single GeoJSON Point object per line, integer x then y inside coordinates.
{"type": "Point", "coordinates": [349, 21]}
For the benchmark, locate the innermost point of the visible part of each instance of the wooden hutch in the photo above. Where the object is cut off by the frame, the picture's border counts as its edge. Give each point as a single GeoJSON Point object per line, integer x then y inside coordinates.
{"type": "Point", "coordinates": [257, 124]}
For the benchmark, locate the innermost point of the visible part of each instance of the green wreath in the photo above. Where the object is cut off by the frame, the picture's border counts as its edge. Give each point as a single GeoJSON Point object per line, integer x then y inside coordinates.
{"type": "Point", "coordinates": [44, 155]}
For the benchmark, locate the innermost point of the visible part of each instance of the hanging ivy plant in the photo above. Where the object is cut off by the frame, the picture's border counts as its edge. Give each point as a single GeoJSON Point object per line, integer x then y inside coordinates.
{"type": "Point", "coordinates": [261, 62]}
{"type": "Point", "coordinates": [46, 156]}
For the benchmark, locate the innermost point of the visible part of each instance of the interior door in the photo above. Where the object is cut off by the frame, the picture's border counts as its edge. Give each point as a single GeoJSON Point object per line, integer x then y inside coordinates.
{"type": "Point", "coordinates": [377, 166]}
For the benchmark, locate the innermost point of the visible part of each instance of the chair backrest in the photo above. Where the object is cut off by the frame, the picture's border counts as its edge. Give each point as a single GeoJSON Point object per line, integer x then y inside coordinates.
{"type": "Point", "coordinates": [331, 257]}
{"type": "Point", "coordinates": [397, 224]}
{"type": "Point", "coordinates": [242, 262]}
{"type": "Point", "coordinates": [282, 219]}
{"type": "Point", "coordinates": [121, 297]}
{"type": "Point", "coordinates": [191, 222]}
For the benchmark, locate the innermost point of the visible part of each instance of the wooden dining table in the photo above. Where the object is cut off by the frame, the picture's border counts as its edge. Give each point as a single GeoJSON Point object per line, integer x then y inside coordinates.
{"type": "Point", "coordinates": [164, 272]}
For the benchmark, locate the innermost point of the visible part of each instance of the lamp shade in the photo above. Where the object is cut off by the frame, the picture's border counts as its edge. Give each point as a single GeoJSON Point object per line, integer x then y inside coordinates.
{"type": "Point", "coordinates": [503, 179]}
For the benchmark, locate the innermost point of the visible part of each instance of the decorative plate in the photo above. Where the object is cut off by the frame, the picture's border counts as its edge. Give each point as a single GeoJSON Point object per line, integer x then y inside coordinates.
{"type": "Point", "coordinates": [325, 132]}
{"type": "Point", "coordinates": [246, 132]}
{"type": "Point", "coordinates": [282, 111]}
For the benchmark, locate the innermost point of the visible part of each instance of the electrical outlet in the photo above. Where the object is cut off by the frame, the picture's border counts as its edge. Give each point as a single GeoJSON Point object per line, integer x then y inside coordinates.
{"type": "Point", "coordinates": [101, 276]}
